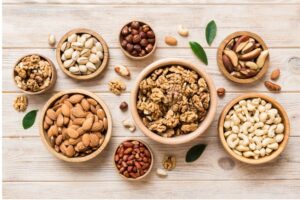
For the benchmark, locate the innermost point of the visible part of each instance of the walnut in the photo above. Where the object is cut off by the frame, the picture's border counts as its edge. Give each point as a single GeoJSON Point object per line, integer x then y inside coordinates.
{"type": "Point", "coordinates": [117, 86]}
{"type": "Point", "coordinates": [169, 162]}
{"type": "Point", "coordinates": [20, 103]}
{"type": "Point", "coordinates": [173, 100]}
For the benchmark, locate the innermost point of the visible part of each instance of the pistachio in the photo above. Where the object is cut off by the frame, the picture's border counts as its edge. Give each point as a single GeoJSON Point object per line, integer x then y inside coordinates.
{"type": "Point", "coordinates": [51, 40]}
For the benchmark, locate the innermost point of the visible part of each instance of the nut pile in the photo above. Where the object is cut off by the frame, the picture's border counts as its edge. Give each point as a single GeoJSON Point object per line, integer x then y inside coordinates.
{"type": "Point", "coordinates": [33, 73]}
{"type": "Point", "coordinates": [137, 39]}
{"type": "Point", "coordinates": [253, 128]}
{"type": "Point", "coordinates": [81, 54]}
{"type": "Point", "coordinates": [243, 57]}
{"type": "Point", "coordinates": [173, 100]}
{"type": "Point", "coordinates": [133, 159]}
{"type": "Point", "coordinates": [75, 125]}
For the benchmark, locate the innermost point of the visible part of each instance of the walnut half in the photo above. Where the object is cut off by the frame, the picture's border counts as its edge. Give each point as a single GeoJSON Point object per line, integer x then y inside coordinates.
{"type": "Point", "coordinates": [20, 103]}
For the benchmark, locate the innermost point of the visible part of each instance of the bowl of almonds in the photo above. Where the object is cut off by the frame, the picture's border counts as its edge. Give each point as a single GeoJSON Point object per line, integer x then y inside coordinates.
{"type": "Point", "coordinates": [243, 57]}
{"type": "Point", "coordinates": [254, 128]}
{"type": "Point", "coordinates": [82, 54]}
{"type": "Point", "coordinates": [75, 125]}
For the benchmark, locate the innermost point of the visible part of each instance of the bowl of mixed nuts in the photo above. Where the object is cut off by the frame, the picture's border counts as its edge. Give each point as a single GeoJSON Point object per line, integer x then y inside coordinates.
{"type": "Point", "coordinates": [34, 74]}
{"type": "Point", "coordinates": [243, 57]}
{"type": "Point", "coordinates": [254, 128]}
{"type": "Point", "coordinates": [173, 101]}
{"type": "Point", "coordinates": [82, 54]}
{"type": "Point", "coordinates": [133, 159]}
{"type": "Point", "coordinates": [75, 125]}
{"type": "Point", "coordinates": [137, 40]}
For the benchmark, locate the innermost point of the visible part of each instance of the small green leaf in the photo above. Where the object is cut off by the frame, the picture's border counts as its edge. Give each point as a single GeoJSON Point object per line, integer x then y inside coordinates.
{"type": "Point", "coordinates": [29, 119]}
{"type": "Point", "coordinates": [195, 152]}
{"type": "Point", "coordinates": [211, 32]}
{"type": "Point", "coordinates": [199, 51]}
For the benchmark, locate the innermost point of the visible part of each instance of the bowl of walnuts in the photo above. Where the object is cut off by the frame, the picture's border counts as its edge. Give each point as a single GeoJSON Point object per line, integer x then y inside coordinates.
{"type": "Point", "coordinates": [173, 101]}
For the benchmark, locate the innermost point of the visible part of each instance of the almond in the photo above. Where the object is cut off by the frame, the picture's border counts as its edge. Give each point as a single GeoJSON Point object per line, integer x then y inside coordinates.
{"type": "Point", "coordinates": [86, 140]}
{"type": "Point", "coordinates": [272, 86]}
{"type": "Point", "coordinates": [94, 140]}
{"type": "Point", "coordinates": [169, 40]}
{"type": "Point", "coordinates": [72, 133]}
{"type": "Point", "coordinates": [70, 151]}
{"type": "Point", "coordinates": [97, 126]}
{"type": "Point", "coordinates": [85, 104]}
{"type": "Point", "coordinates": [60, 120]}
{"type": "Point", "coordinates": [77, 112]}
{"type": "Point", "coordinates": [48, 120]}
{"type": "Point", "coordinates": [275, 74]}
{"type": "Point", "coordinates": [52, 131]}
{"type": "Point", "coordinates": [87, 124]}
{"type": "Point", "coordinates": [51, 114]}
{"type": "Point", "coordinates": [92, 101]}
{"type": "Point", "coordinates": [78, 121]}
{"type": "Point", "coordinates": [76, 98]}
{"type": "Point", "coordinates": [100, 113]}
{"type": "Point", "coordinates": [65, 109]}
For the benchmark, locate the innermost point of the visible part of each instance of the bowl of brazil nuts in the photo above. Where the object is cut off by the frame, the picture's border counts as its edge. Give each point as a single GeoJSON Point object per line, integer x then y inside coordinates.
{"type": "Point", "coordinates": [254, 128]}
{"type": "Point", "coordinates": [133, 159]}
{"type": "Point", "coordinates": [137, 40]}
{"type": "Point", "coordinates": [34, 74]}
{"type": "Point", "coordinates": [75, 125]}
{"type": "Point", "coordinates": [173, 101]}
{"type": "Point", "coordinates": [82, 54]}
{"type": "Point", "coordinates": [243, 57]}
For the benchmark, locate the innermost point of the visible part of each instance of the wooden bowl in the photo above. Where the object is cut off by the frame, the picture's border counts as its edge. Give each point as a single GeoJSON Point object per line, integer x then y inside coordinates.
{"type": "Point", "coordinates": [137, 57]}
{"type": "Point", "coordinates": [283, 115]}
{"type": "Point", "coordinates": [222, 68]}
{"type": "Point", "coordinates": [52, 81]}
{"type": "Point", "coordinates": [46, 141]}
{"type": "Point", "coordinates": [182, 138]}
{"type": "Point", "coordinates": [105, 54]}
{"type": "Point", "coordinates": [151, 165]}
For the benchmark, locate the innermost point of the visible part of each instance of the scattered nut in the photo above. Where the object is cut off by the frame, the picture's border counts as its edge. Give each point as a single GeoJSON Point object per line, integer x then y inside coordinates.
{"type": "Point", "coordinates": [51, 40]}
{"type": "Point", "coordinates": [272, 86]}
{"type": "Point", "coordinates": [169, 162]}
{"type": "Point", "coordinates": [123, 106]}
{"type": "Point", "coordinates": [20, 103]}
{"type": "Point", "coordinates": [117, 86]}
{"type": "Point", "coordinates": [184, 32]}
{"type": "Point", "coordinates": [129, 124]}
{"type": "Point", "coordinates": [275, 74]}
{"type": "Point", "coordinates": [161, 172]}
{"type": "Point", "coordinates": [133, 159]}
{"type": "Point", "coordinates": [169, 40]}
{"type": "Point", "coordinates": [122, 71]}
{"type": "Point", "coordinates": [221, 92]}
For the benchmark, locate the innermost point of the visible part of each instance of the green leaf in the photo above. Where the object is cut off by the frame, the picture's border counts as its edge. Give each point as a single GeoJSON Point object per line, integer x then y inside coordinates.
{"type": "Point", "coordinates": [195, 152]}
{"type": "Point", "coordinates": [211, 32]}
{"type": "Point", "coordinates": [29, 119]}
{"type": "Point", "coordinates": [199, 51]}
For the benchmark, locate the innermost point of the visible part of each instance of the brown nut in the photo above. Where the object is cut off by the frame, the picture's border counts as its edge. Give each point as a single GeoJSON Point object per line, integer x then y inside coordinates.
{"type": "Point", "coordinates": [125, 31]}
{"type": "Point", "coordinates": [251, 55]}
{"type": "Point", "coordinates": [123, 106]}
{"type": "Point", "coordinates": [272, 86]}
{"type": "Point", "coordinates": [241, 39]}
{"type": "Point", "coordinates": [275, 74]}
{"type": "Point", "coordinates": [136, 39]}
{"type": "Point", "coordinates": [221, 92]}
{"type": "Point", "coordinates": [227, 63]}
{"type": "Point", "coordinates": [169, 40]}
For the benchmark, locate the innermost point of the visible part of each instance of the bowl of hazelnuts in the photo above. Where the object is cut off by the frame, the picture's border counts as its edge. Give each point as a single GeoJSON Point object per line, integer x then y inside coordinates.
{"type": "Point", "coordinates": [137, 40]}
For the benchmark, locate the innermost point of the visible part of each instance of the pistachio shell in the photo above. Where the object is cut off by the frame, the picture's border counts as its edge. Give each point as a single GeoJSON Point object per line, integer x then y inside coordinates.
{"type": "Point", "coordinates": [99, 46]}
{"type": "Point", "coordinates": [82, 60]}
{"type": "Point", "coordinates": [69, 63]}
{"type": "Point", "coordinates": [91, 67]}
{"type": "Point", "coordinates": [94, 58]}
{"type": "Point", "coordinates": [83, 68]}
{"type": "Point", "coordinates": [75, 55]}
{"type": "Point", "coordinates": [68, 53]}
{"type": "Point", "coordinates": [89, 43]}
{"type": "Point", "coordinates": [72, 38]}
{"type": "Point", "coordinates": [74, 70]}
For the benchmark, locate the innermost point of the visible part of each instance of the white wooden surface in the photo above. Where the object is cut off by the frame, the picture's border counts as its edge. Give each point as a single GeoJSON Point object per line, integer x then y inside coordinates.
{"type": "Point", "coordinates": [29, 171]}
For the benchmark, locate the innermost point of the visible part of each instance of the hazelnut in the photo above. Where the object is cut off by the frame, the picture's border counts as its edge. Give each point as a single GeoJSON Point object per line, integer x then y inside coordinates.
{"type": "Point", "coordinates": [129, 47]}
{"type": "Point", "coordinates": [123, 106]}
{"type": "Point", "coordinates": [135, 25]}
{"type": "Point", "coordinates": [137, 47]}
{"type": "Point", "coordinates": [142, 34]}
{"type": "Point", "coordinates": [149, 48]}
{"type": "Point", "coordinates": [151, 41]}
{"type": "Point", "coordinates": [150, 34]}
{"type": "Point", "coordinates": [146, 28]}
{"type": "Point", "coordinates": [221, 92]}
{"type": "Point", "coordinates": [129, 38]}
{"type": "Point", "coordinates": [134, 32]}
{"type": "Point", "coordinates": [142, 53]}
{"type": "Point", "coordinates": [144, 42]}
{"type": "Point", "coordinates": [136, 39]}
{"type": "Point", "coordinates": [134, 53]}
{"type": "Point", "coordinates": [125, 31]}
{"type": "Point", "coordinates": [124, 43]}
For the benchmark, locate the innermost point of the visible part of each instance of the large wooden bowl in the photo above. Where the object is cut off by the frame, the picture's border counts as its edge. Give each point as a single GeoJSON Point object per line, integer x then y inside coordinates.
{"type": "Point", "coordinates": [52, 81]}
{"type": "Point", "coordinates": [283, 115]}
{"type": "Point", "coordinates": [222, 68]}
{"type": "Point", "coordinates": [46, 140]}
{"type": "Point", "coordinates": [204, 124]}
{"type": "Point", "coordinates": [105, 54]}
{"type": "Point", "coordinates": [150, 167]}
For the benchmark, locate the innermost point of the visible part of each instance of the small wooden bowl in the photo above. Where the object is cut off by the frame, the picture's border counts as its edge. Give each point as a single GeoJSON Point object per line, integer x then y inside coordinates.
{"type": "Point", "coordinates": [283, 115]}
{"type": "Point", "coordinates": [137, 57]}
{"type": "Point", "coordinates": [222, 68]}
{"type": "Point", "coordinates": [46, 141]}
{"type": "Point", "coordinates": [182, 138]}
{"type": "Point", "coordinates": [52, 81]}
{"type": "Point", "coordinates": [151, 165]}
{"type": "Point", "coordinates": [105, 54]}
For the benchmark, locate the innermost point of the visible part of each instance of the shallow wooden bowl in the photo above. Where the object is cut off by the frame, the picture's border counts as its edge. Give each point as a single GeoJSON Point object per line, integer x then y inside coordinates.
{"type": "Point", "coordinates": [137, 57]}
{"type": "Point", "coordinates": [99, 69]}
{"type": "Point", "coordinates": [283, 115]}
{"type": "Point", "coordinates": [52, 81]}
{"type": "Point", "coordinates": [151, 165]}
{"type": "Point", "coordinates": [46, 141]}
{"type": "Point", "coordinates": [204, 124]}
{"type": "Point", "coordinates": [222, 68]}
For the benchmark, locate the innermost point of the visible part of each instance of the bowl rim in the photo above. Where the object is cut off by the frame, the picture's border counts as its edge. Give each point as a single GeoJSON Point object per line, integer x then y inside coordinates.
{"type": "Point", "coordinates": [52, 80]}
{"type": "Point", "coordinates": [107, 135]}
{"type": "Point", "coordinates": [105, 53]}
{"type": "Point", "coordinates": [137, 57]}
{"type": "Point", "coordinates": [204, 124]}
{"type": "Point", "coordinates": [283, 115]}
{"type": "Point", "coordinates": [151, 153]}
{"type": "Point", "coordinates": [222, 68]}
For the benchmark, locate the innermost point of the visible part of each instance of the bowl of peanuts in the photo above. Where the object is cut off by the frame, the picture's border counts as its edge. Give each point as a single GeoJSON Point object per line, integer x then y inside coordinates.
{"type": "Point", "coordinates": [254, 128]}
{"type": "Point", "coordinates": [75, 125]}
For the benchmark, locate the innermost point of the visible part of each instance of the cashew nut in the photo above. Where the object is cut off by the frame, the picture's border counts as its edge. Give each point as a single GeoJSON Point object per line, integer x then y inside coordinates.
{"type": "Point", "coordinates": [184, 32]}
{"type": "Point", "coordinates": [232, 140]}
